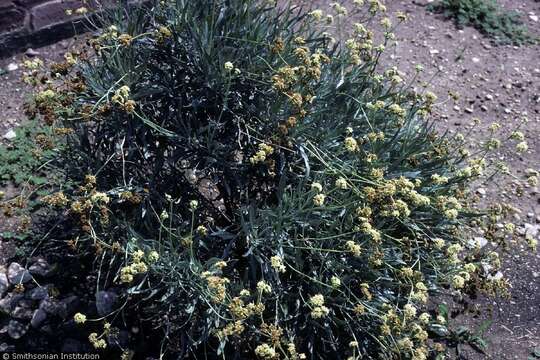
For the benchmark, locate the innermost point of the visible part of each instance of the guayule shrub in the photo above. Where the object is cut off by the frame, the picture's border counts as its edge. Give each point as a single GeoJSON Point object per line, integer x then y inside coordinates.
{"type": "Point", "coordinates": [251, 187]}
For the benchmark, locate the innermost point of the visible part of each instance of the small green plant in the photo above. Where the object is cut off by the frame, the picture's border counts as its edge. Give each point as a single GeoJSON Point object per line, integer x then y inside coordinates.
{"type": "Point", "coordinates": [455, 337]}
{"type": "Point", "coordinates": [535, 354]}
{"type": "Point", "coordinates": [502, 26]}
{"type": "Point", "coordinates": [20, 160]}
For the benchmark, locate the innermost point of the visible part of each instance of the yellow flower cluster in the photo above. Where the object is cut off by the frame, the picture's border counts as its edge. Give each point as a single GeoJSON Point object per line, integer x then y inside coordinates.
{"type": "Point", "coordinates": [121, 97]}
{"type": "Point", "coordinates": [318, 310]}
{"type": "Point", "coordinates": [96, 342]}
{"type": "Point", "coordinates": [58, 199]}
{"type": "Point", "coordinates": [277, 264]}
{"type": "Point", "coordinates": [353, 248]}
{"type": "Point", "coordinates": [260, 156]}
{"type": "Point", "coordinates": [138, 266]}
{"type": "Point", "coordinates": [79, 318]}
{"type": "Point", "coordinates": [217, 286]}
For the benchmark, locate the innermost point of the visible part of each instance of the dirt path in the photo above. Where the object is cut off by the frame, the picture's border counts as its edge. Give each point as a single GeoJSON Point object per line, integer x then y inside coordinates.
{"type": "Point", "coordinates": [499, 84]}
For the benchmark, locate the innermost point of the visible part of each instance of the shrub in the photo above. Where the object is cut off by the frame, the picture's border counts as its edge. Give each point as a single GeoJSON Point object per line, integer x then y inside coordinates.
{"type": "Point", "coordinates": [250, 187]}
{"type": "Point", "coordinates": [486, 16]}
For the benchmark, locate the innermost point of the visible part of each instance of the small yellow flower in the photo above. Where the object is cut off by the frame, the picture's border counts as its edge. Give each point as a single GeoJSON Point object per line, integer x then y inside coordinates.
{"type": "Point", "coordinates": [202, 230]}
{"type": "Point", "coordinates": [153, 256]}
{"type": "Point", "coordinates": [351, 144]}
{"type": "Point", "coordinates": [335, 282]}
{"type": "Point", "coordinates": [277, 263]}
{"type": "Point", "coordinates": [265, 351]}
{"type": "Point", "coordinates": [193, 204]}
{"type": "Point", "coordinates": [81, 11]}
{"type": "Point", "coordinates": [318, 200]}
{"type": "Point", "coordinates": [341, 183]}
{"type": "Point", "coordinates": [264, 287]}
{"type": "Point", "coordinates": [316, 14]}
{"type": "Point", "coordinates": [316, 300]}
{"type": "Point", "coordinates": [522, 147]}
{"type": "Point", "coordinates": [79, 318]}
{"type": "Point", "coordinates": [228, 66]}
{"type": "Point", "coordinates": [317, 187]}
{"type": "Point", "coordinates": [458, 282]}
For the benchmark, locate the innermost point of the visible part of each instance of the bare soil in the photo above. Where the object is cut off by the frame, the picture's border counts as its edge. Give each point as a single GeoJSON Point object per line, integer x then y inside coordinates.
{"type": "Point", "coordinates": [495, 84]}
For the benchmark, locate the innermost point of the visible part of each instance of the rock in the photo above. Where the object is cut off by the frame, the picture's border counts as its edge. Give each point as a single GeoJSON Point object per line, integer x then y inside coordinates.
{"type": "Point", "coordinates": [72, 346]}
{"type": "Point", "coordinates": [483, 108]}
{"type": "Point", "coordinates": [475, 60]}
{"type": "Point", "coordinates": [17, 274]}
{"type": "Point", "coordinates": [49, 305]}
{"type": "Point", "coordinates": [11, 134]}
{"type": "Point", "coordinates": [8, 303]}
{"type": "Point", "coordinates": [22, 313]}
{"type": "Point", "coordinates": [434, 51]}
{"type": "Point", "coordinates": [38, 318]}
{"type": "Point", "coordinates": [41, 268]}
{"type": "Point", "coordinates": [12, 67]}
{"type": "Point", "coordinates": [39, 293]}
{"type": "Point", "coordinates": [533, 17]}
{"type": "Point", "coordinates": [105, 302]}
{"type": "Point", "coordinates": [4, 283]}
{"type": "Point", "coordinates": [481, 191]}
{"type": "Point", "coordinates": [498, 276]}
{"type": "Point", "coordinates": [31, 52]}
{"type": "Point", "coordinates": [531, 231]}
{"type": "Point", "coordinates": [489, 97]}
{"type": "Point", "coordinates": [469, 110]}
{"type": "Point", "coordinates": [477, 242]}
{"type": "Point", "coordinates": [16, 329]}
{"type": "Point", "coordinates": [68, 306]}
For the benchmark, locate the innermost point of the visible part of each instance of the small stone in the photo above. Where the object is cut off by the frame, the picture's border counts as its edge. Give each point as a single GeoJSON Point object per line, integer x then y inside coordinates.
{"type": "Point", "coordinates": [16, 329]}
{"type": "Point", "coordinates": [31, 52]}
{"type": "Point", "coordinates": [10, 135]}
{"type": "Point", "coordinates": [8, 303]}
{"type": "Point", "coordinates": [17, 274]}
{"type": "Point", "coordinates": [68, 306]}
{"type": "Point", "coordinates": [105, 302]}
{"type": "Point", "coordinates": [469, 110]}
{"type": "Point", "coordinates": [481, 191]}
{"type": "Point", "coordinates": [39, 293]}
{"type": "Point", "coordinates": [498, 276]}
{"type": "Point", "coordinates": [489, 97]}
{"type": "Point", "coordinates": [483, 108]}
{"type": "Point", "coordinates": [533, 18]}
{"type": "Point", "coordinates": [49, 305]}
{"type": "Point", "coordinates": [507, 110]}
{"type": "Point", "coordinates": [475, 60]}
{"type": "Point", "coordinates": [434, 51]}
{"type": "Point", "coordinates": [4, 283]}
{"type": "Point", "coordinates": [457, 108]}
{"type": "Point", "coordinates": [12, 67]}
{"type": "Point", "coordinates": [477, 242]}
{"type": "Point", "coordinates": [22, 313]}
{"type": "Point", "coordinates": [531, 231]}
{"type": "Point", "coordinates": [38, 318]}
{"type": "Point", "coordinates": [41, 268]}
